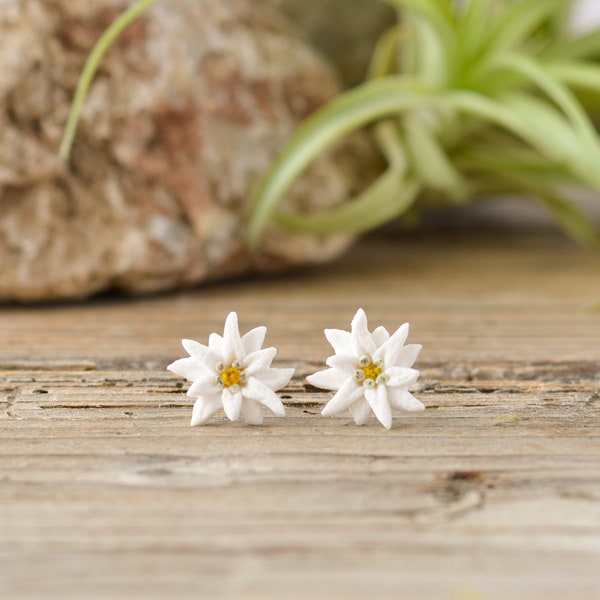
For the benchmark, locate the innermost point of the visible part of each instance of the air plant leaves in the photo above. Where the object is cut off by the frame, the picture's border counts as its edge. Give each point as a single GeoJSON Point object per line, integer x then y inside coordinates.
{"type": "Point", "coordinates": [385, 199]}
{"type": "Point", "coordinates": [474, 69]}
{"type": "Point", "coordinates": [430, 161]}
{"type": "Point", "coordinates": [373, 100]}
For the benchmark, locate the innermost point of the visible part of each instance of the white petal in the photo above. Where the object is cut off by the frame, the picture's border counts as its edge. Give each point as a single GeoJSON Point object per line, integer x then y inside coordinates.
{"type": "Point", "coordinates": [340, 340]}
{"type": "Point", "coordinates": [391, 349]}
{"type": "Point", "coordinates": [251, 412]}
{"type": "Point", "coordinates": [189, 368]}
{"type": "Point", "coordinates": [197, 350]}
{"type": "Point", "coordinates": [362, 340]}
{"type": "Point", "coordinates": [401, 377]}
{"type": "Point", "coordinates": [232, 342]}
{"type": "Point", "coordinates": [204, 386]}
{"type": "Point", "coordinates": [346, 396]}
{"type": "Point", "coordinates": [344, 362]}
{"type": "Point", "coordinates": [216, 345]}
{"type": "Point", "coordinates": [329, 379]}
{"type": "Point", "coordinates": [380, 335]}
{"type": "Point", "coordinates": [407, 355]}
{"type": "Point", "coordinates": [400, 398]}
{"type": "Point", "coordinates": [259, 360]}
{"type": "Point", "coordinates": [257, 390]}
{"type": "Point", "coordinates": [360, 411]}
{"type": "Point", "coordinates": [377, 398]}
{"type": "Point", "coordinates": [232, 404]}
{"type": "Point", "coordinates": [275, 378]}
{"type": "Point", "coordinates": [254, 339]}
{"type": "Point", "coordinates": [204, 409]}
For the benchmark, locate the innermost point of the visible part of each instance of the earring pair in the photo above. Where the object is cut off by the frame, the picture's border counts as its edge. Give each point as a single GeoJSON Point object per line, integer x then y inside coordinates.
{"type": "Point", "coordinates": [370, 372]}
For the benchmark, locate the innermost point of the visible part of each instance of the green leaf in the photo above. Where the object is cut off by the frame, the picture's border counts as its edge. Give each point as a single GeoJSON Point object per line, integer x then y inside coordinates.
{"type": "Point", "coordinates": [430, 162]}
{"type": "Point", "coordinates": [585, 46]}
{"type": "Point", "coordinates": [556, 91]}
{"type": "Point", "coordinates": [560, 141]}
{"type": "Point", "coordinates": [577, 74]}
{"type": "Point", "coordinates": [518, 23]}
{"type": "Point", "coordinates": [474, 27]}
{"type": "Point", "coordinates": [433, 58]}
{"type": "Point", "coordinates": [435, 43]}
{"type": "Point", "coordinates": [349, 111]}
{"type": "Point", "coordinates": [91, 66]}
{"type": "Point", "coordinates": [385, 54]}
{"type": "Point", "coordinates": [565, 213]}
{"type": "Point", "coordinates": [538, 124]}
{"type": "Point", "coordinates": [492, 159]}
{"type": "Point", "coordinates": [386, 198]}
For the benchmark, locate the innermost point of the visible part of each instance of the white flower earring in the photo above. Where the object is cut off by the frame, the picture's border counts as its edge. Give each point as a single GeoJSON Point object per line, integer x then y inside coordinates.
{"type": "Point", "coordinates": [233, 373]}
{"type": "Point", "coordinates": [370, 371]}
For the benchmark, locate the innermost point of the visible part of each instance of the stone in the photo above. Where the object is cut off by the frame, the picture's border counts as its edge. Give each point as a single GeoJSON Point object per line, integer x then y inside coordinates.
{"type": "Point", "coordinates": [187, 112]}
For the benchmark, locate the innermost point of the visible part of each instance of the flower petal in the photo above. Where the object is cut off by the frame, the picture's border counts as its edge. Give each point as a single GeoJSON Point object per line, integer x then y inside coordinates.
{"type": "Point", "coordinates": [360, 411]}
{"type": "Point", "coordinates": [203, 386]}
{"type": "Point", "coordinates": [344, 362]}
{"type": "Point", "coordinates": [259, 360]}
{"type": "Point", "coordinates": [254, 339]}
{"type": "Point", "coordinates": [407, 355]}
{"type": "Point", "coordinates": [275, 378]}
{"type": "Point", "coordinates": [362, 340]}
{"type": "Point", "coordinates": [346, 396]}
{"type": "Point", "coordinates": [391, 349]}
{"type": "Point", "coordinates": [404, 399]}
{"type": "Point", "coordinates": [189, 368]}
{"type": "Point", "coordinates": [204, 409]}
{"type": "Point", "coordinates": [380, 335]}
{"type": "Point", "coordinates": [251, 412]}
{"type": "Point", "coordinates": [258, 391]}
{"type": "Point", "coordinates": [216, 344]}
{"type": "Point", "coordinates": [378, 399]}
{"type": "Point", "coordinates": [401, 376]}
{"type": "Point", "coordinates": [232, 342]}
{"type": "Point", "coordinates": [199, 351]}
{"type": "Point", "coordinates": [329, 379]}
{"type": "Point", "coordinates": [232, 404]}
{"type": "Point", "coordinates": [340, 340]}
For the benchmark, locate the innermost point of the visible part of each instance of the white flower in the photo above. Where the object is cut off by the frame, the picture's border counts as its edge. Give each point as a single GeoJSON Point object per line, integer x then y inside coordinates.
{"type": "Point", "coordinates": [370, 371]}
{"type": "Point", "coordinates": [234, 373]}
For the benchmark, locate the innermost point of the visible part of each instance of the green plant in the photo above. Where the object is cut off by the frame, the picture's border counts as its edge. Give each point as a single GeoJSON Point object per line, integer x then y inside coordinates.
{"type": "Point", "coordinates": [465, 99]}
{"type": "Point", "coordinates": [107, 39]}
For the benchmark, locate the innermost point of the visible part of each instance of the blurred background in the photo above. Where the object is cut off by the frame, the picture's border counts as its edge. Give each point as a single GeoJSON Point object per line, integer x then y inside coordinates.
{"type": "Point", "coordinates": [215, 139]}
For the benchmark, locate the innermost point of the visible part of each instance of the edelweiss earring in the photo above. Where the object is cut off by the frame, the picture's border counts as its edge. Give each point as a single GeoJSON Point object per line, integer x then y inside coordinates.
{"type": "Point", "coordinates": [369, 371]}
{"type": "Point", "coordinates": [232, 373]}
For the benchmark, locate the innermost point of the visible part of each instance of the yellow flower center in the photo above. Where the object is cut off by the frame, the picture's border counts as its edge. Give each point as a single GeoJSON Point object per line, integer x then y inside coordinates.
{"type": "Point", "coordinates": [371, 371]}
{"type": "Point", "coordinates": [231, 376]}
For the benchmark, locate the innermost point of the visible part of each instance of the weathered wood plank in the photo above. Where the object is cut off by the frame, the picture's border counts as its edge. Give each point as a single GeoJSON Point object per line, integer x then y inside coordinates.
{"type": "Point", "coordinates": [492, 492]}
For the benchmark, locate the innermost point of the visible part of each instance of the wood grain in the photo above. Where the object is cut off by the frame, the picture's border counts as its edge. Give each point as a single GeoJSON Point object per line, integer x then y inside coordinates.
{"type": "Point", "coordinates": [492, 492]}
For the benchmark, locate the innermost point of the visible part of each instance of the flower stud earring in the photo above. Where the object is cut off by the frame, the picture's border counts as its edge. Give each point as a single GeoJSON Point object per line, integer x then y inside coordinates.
{"type": "Point", "coordinates": [369, 371]}
{"type": "Point", "coordinates": [234, 373]}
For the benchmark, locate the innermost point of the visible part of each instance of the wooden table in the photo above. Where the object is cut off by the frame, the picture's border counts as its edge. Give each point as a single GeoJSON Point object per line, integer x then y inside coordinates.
{"type": "Point", "coordinates": [492, 493]}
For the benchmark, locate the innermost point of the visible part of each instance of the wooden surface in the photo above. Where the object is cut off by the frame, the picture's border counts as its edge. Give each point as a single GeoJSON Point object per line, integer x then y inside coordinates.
{"type": "Point", "coordinates": [492, 493]}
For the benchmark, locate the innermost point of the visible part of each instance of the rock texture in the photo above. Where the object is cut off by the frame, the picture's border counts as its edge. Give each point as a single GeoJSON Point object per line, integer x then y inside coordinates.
{"type": "Point", "coordinates": [186, 113]}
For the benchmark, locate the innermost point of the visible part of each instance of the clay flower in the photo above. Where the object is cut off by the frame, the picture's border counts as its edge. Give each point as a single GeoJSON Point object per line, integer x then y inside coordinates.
{"type": "Point", "coordinates": [370, 371]}
{"type": "Point", "coordinates": [232, 373]}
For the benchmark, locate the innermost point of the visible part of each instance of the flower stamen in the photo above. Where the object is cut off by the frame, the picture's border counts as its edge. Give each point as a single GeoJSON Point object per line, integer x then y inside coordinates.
{"type": "Point", "coordinates": [371, 371]}
{"type": "Point", "coordinates": [232, 376]}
